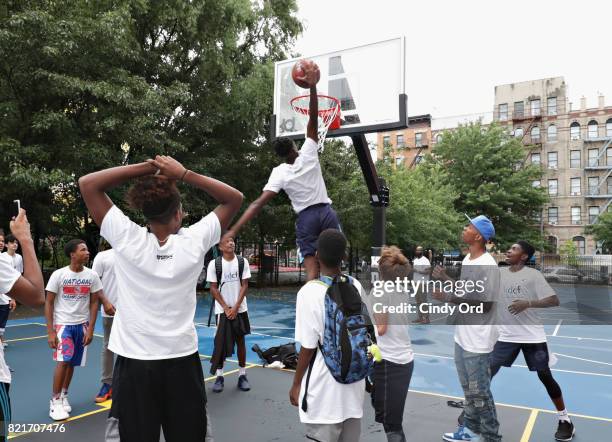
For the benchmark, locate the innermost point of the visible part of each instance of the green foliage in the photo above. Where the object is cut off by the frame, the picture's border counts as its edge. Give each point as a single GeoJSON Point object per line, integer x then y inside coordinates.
{"type": "Point", "coordinates": [602, 230]}
{"type": "Point", "coordinates": [569, 252]}
{"type": "Point", "coordinates": [79, 78]}
{"type": "Point", "coordinates": [483, 164]}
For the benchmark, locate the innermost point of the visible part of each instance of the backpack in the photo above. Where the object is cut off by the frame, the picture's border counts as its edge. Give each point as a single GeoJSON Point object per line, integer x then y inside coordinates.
{"type": "Point", "coordinates": [283, 353]}
{"type": "Point", "coordinates": [348, 333]}
{"type": "Point", "coordinates": [219, 272]}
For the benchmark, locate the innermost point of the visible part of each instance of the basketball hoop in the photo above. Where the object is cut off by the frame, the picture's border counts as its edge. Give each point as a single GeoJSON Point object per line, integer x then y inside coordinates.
{"type": "Point", "coordinates": [329, 113]}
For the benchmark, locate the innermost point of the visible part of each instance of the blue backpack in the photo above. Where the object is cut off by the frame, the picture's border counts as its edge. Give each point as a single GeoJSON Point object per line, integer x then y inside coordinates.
{"type": "Point", "coordinates": [347, 335]}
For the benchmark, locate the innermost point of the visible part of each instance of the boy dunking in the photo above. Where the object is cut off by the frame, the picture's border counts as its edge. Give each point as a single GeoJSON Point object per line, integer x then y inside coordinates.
{"type": "Point", "coordinates": [522, 290]}
{"type": "Point", "coordinates": [230, 309]}
{"type": "Point", "coordinates": [301, 178]}
{"type": "Point", "coordinates": [27, 289]}
{"type": "Point", "coordinates": [71, 309]}
{"type": "Point", "coordinates": [103, 265]}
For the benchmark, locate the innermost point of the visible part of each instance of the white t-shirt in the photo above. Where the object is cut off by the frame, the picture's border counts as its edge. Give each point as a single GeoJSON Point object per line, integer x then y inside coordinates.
{"type": "Point", "coordinates": [329, 402]}
{"type": "Point", "coordinates": [480, 338]}
{"type": "Point", "coordinates": [230, 283]}
{"type": "Point", "coordinates": [421, 263]}
{"type": "Point", "coordinates": [527, 284]}
{"type": "Point", "coordinates": [17, 262]}
{"type": "Point", "coordinates": [302, 181]}
{"type": "Point", "coordinates": [103, 265]}
{"type": "Point", "coordinates": [72, 294]}
{"type": "Point", "coordinates": [8, 277]}
{"type": "Point", "coordinates": [156, 286]}
{"type": "Point", "coordinates": [395, 345]}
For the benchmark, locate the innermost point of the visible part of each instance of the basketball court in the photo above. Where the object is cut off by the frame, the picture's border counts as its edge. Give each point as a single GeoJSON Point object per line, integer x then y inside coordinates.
{"type": "Point", "coordinates": [584, 371]}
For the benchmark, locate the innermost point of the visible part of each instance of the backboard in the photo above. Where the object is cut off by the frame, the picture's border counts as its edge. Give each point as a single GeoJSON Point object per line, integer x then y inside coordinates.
{"type": "Point", "coordinates": [369, 81]}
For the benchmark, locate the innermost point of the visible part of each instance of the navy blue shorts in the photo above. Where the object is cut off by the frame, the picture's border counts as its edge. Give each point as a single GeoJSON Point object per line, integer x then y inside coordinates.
{"type": "Point", "coordinates": [505, 353]}
{"type": "Point", "coordinates": [310, 223]}
{"type": "Point", "coordinates": [5, 309]}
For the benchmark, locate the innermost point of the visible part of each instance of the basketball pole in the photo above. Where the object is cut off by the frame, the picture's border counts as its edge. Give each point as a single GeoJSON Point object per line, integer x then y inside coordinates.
{"type": "Point", "coordinates": [379, 198]}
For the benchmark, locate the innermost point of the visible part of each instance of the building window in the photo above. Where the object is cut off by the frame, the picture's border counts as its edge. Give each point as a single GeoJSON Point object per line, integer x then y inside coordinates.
{"type": "Point", "coordinates": [418, 159]}
{"type": "Point", "coordinates": [574, 131]}
{"type": "Point", "coordinates": [536, 184]}
{"type": "Point", "coordinates": [575, 159]}
{"type": "Point", "coordinates": [609, 186]}
{"type": "Point", "coordinates": [593, 154]}
{"type": "Point", "coordinates": [551, 106]}
{"type": "Point", "coordinates": [535, 159]}
{"type": "Point", "coordinates": [609, 156]}
{"type": "Point", "coordinates": [438, 139]}
{"type": "Point", "coordinates": [576, 216]}
{"type": "Point", "coordinates": [400, 141]}
{"type": "Point", "coordinates": [519, 109]}
{"type": "Point", "coordinates": [575, 186]}
{"type": "Point", "coordinates": [552, 160]}
{"type": "Point", "coordinates": [593, 183]}
{"type": "Point", "coordinates": [593, 129]}
{"type": "Point", "coordinates": [535, 134]}
{"type": "Point", "coordinates": [418, 140]}
{"type": "Point", "coordinates": [553, 187]}
{"type": "Point", "coordinates": [552, 243]}
{"type": "Point", "coordinates": [552, 133]}
{"type": "Point", "coordinates": [580, 244]}
{"type": "Point", "coordinates": [593, 214]}
{"type": "Point", "coordinates": [609, 128]}
{"type": "Point", "coordinates": [399, 161]}
{"type": "Point", "coordinates": [553, 215]}
{"type": "Point", "coordinates": [386, 140]}
{"type": "Point", "coordinates": [503, 112]}
{"type": "Point", "coordinates": [535, 107]}
{"type": "Point", "coordinates": [518, 132]}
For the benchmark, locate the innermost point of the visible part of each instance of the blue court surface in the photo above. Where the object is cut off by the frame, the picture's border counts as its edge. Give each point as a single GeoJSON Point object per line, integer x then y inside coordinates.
{"type": "Point", "coordinates": [583, 370]}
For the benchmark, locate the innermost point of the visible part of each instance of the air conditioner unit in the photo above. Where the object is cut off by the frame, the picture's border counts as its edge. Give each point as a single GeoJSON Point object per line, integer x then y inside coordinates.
{"type": "Point", "coordinates": [575, 194]}
{"type": "Point", "coordinates": [553, 223]}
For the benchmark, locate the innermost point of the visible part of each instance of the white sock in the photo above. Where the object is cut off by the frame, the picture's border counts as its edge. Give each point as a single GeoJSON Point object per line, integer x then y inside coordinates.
{"type": "Point", "coordinates": [563, 416]}
{"type": "Point", "coordinates": [55, 396]}
{"type": "Point", "coordinates": [242, 371]}
{"type": "Point", "coordinates": [219, 372]}
{"type": "Point", "coordinates": [64, 392]}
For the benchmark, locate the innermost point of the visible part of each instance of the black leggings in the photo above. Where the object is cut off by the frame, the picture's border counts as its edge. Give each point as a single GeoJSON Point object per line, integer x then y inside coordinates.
{"type": "Point", "coordinates": [553, 389]}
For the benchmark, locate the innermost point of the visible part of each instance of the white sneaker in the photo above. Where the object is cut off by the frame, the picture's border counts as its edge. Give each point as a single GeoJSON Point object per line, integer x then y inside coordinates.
{"type": "Point", "coordinates": [66, 404]}
{"type": "Point", "coordinates": [57, 412]}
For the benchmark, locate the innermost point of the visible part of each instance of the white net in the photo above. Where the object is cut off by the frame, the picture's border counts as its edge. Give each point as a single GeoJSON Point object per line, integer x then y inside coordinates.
{"type": "Point", "coordinates": [329, 110]}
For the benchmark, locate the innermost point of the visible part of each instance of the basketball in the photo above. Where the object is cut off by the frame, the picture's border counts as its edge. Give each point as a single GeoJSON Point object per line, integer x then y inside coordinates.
{"type": "Point", "coordinates": [298, 71]}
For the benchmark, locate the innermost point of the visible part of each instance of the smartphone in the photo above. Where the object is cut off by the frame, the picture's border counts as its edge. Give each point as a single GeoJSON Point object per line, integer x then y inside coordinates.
{"type": "Point", "coordinates": [18, 202]}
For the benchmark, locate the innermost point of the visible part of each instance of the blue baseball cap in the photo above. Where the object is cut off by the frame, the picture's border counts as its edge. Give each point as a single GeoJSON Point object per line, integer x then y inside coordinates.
{"type": "Point", "coordinates": [483, 225]}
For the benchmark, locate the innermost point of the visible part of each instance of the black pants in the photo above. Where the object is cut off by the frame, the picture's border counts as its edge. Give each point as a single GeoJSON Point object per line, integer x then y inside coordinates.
{"type": "Point", "coordinates": [5, 410]}
{"type": "Point", "coordinates": [149, 395]}
{"type": "Point", "coordinates": [391, 383]}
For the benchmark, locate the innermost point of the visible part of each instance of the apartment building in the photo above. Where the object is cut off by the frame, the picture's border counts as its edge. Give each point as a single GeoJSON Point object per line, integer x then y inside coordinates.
{"type": "Point", "coordinates": [407, 146]}
{"type": "Point", "coordinates": [572, 145]}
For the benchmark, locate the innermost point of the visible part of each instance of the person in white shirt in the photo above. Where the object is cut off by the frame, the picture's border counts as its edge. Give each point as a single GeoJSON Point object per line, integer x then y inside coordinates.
{"type": "Point", "coordinates": [422, 268]}
{"type": "Point", "coordinates": [231, 311]}
{"type": "Point", "coordinates": [71, 309]}
{"type": "Point", "coordinates": [103, 265]}
{"type": "Point", "coordinates": [334, 410]}
{"type": "Point", "coordinates": [523, 290]}
{"type": "Point", "coordinates": [301, 178]}
{"type": "Point", "coordinates": [28, 290]}
{"type": "Point", "coordinates": [158, 381]}
{"type": "Point", "coordinates": [475, 333]}
{"type": "Point", "coordinates": [392, 375]}
{"type": "Point", "coordinates": [8, 304]}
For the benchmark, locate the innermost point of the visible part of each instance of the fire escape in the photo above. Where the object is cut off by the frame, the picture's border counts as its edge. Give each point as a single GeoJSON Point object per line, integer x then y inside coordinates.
{"type": "Point", "coordinates": [598, 188]}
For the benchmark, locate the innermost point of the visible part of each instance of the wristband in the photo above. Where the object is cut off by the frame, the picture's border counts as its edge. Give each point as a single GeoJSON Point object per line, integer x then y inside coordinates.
{"type": "Point", "coordinates": [184, 173]}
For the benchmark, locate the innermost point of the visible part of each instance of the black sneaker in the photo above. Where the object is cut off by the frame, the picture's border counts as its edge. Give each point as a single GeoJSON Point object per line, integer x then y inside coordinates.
{"type": "Point", "coordinates": [565, 431]}
{"type": "Point", "coordinates": [218, 387]}
{"type": "Point", "coordinates": [243, 384]}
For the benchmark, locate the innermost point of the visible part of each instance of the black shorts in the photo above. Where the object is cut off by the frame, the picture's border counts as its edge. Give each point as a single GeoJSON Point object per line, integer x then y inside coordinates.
{"type": "Point", "coordinates": [244, 321]}
{"type": "Point", "coordinates": [505, 353]}
{"type": "Point", "coordinates": [166, 393]}
{"type": "Point", "coordinates": [5, 309]}
{"type": "Point", "coordinates": [5, 410]}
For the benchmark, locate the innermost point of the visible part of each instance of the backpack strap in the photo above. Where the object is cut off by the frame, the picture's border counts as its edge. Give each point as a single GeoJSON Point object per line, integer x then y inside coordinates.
{"type": "Point", "coordinates": [304, 400]}
{"type": "Point", "coordinates": [240, 268]}
{"type": "Point", "coordinates": [219, 272]}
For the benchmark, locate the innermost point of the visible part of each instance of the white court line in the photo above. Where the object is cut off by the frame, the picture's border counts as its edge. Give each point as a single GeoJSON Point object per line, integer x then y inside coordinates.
{"type": "Point", "coordinates": [273, 327]}
{"type": "Point", "coordinates": [557, 327]}
{"type": "Point", "coordinates": [580, 339]}
{"type": "Point", "coordinates": [199, 324]}
{"type": "Point", "coordinates": [583, 359]}
{"type": "Point", "coordinates": [21, 325]}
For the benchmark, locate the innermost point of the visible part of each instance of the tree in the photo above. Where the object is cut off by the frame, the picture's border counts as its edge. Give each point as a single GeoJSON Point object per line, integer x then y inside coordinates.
{"type": "Point", "coordinates": [602, 230]}
{"type": "Point", "coordinates": [569, 252]}
{"type": "Point", "coordinates": [78, 79]}
{"type": "Point", "coordinates": [484, 166]}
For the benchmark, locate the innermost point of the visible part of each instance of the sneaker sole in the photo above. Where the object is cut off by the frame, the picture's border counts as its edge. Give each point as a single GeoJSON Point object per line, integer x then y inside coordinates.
{"type": "Point", "coordinates": [570, 438]}
{"type": "Point", "coordinates": [99, 400]}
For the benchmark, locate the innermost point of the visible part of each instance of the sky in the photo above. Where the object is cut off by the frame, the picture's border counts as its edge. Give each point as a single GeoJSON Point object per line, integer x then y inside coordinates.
{"type": "Point", "coordinates": [457, 51]}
